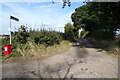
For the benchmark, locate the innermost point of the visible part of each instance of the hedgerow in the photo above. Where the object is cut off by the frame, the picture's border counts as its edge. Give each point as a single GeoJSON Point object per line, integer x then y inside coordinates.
{"type": "Point", "coordinates": [23, 36]}
{"type": "Point", "coordinates": [45, 37]}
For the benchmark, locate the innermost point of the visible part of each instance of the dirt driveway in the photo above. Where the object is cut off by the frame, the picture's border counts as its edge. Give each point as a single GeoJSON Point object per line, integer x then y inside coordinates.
{"type": "Point", "coordinates": [77, 62]}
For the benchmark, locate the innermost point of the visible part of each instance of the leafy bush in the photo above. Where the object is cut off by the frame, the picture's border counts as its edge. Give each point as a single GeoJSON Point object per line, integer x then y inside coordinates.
{"type": "Point", "coordinates": [103, 35]}
{"type": "Point", "coordinates": [21, 36]}
{"type": "Point", "coordinates": [69, 32]}
{"type": "Point", "coordinates": [45, 37]}
{"type": "Point", "coordinates": [84, 34]}
{"type": "Point", "coordinates": [118, 41]}
{"type": "Point", "coordinates": [23, 41]}
{"type": "Point", "coordinates": [111, 46]}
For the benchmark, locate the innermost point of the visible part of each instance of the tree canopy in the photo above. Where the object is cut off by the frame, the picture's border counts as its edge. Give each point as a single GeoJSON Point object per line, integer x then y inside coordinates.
{"type": "Point", "coordinates": [96, 16]}
{"type": "Point", "coordinates": [69, 31]}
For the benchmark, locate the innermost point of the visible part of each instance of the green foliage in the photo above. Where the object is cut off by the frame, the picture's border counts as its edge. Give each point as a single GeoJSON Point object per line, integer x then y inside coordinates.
{"type": "Point", "coordinates": [97, 17]}
{"type": "Point", "coordinates": [83, 34]}
{"type": "Point", "coordinates": [5, 40]}
{"type": "Point", "coordinates": [111, 46]}
{"type": "Point", "coordinates": [118, 41]}
{"type": "Point", "coordinates": [21, 36]}
{"type": "Point", "coordinates": [21, 39]}
{"type": "Point", "coordinates": [45, 37]}
{"type": "Point", "coordinates": [69, 32]}
{"type": "Point", "coordinates": [102, 34]}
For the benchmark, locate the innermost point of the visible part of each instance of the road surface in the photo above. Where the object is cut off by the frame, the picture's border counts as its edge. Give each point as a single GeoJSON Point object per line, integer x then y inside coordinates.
{"type": "Point", "coordinates": [77, 62]}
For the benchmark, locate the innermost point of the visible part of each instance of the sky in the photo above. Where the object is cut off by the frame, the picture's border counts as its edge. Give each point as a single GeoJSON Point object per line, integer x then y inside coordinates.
{"type": "Point", "coordinates": [36, 15]}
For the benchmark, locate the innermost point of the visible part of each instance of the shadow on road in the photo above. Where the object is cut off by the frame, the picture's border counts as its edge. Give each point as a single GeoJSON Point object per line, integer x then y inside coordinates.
{"type": "Point", "coordinates": [80, 48]}
{"type": "Point", "coordinates": [81, 52]}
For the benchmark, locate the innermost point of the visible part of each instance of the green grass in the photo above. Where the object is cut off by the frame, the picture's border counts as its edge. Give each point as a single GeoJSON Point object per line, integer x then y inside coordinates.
{"type": "Point", "coordinates": [34, 43]}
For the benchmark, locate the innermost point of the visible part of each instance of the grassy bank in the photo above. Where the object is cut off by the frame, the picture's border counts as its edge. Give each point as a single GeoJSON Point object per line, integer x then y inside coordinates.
{"type": "Point", "coordinates": [32, 51]}
{"type": "Point", "coordinates": [111, 46]}
{"type": "Point", "coordinates": [34, 44]}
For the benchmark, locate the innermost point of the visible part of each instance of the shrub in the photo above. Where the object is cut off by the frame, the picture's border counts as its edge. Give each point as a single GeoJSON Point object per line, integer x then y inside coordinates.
{"type": "Point", "coordinates": [21, 36]}
{"type": "Point", "coordinates": [83, 34]}
{"type": "Point", "coordinates": [111, 46]}
{"type": "Point", "coordinates": [103, 35]}
{"type": "Point", "coordinates": [69, 32]}
{"type": "Point", "coordinates": [118, 41]}
{"type": "Point", "coordinates": [46, 37]}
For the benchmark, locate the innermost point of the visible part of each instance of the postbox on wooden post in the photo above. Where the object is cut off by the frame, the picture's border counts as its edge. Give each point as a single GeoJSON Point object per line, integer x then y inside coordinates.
{"type": "Point", "coordinates": [8, 48]}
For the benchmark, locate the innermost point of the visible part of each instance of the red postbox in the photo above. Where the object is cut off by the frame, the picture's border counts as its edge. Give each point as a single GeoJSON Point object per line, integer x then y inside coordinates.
{"type": "Point", "coordinates": [7, 49]}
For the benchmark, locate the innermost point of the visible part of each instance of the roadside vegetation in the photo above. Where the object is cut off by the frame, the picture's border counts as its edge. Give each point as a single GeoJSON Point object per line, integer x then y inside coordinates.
{"type": "Point", "coordinates": [101, 22]}
{"type": "Point", "coordinates": [111, 46]}
{"type": "Point", "coordinates": [31, 44]}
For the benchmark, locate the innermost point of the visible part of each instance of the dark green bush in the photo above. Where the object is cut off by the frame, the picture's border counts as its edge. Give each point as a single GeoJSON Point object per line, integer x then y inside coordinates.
{"type": "Point", "coordinates": [118, 41]}
{"type": "Point", "coordinates": [5, 41]}
{"type": "Point", "coordinates": [46, 37]}
{"type": "Point", "coordinates": [21, 36]}
{"type": "Point", "coordinates": [69, 32]}
{"type": "Point", "coordinates": [20, 39]}
{"type": "Point", "coordinates": [83, 34]}
{"type": "Point", "coordinates": [103, 35]}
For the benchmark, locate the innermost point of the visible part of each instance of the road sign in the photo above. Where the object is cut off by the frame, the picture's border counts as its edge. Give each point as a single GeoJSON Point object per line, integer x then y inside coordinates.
{"type": "Point", "coordinates": [14, 18]}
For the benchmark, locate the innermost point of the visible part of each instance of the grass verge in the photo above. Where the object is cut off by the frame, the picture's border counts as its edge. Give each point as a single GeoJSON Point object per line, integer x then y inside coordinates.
{"type": "Point", "coordinates": [32, 51]}
{"type": "Point", "coordinates": [111, 46]}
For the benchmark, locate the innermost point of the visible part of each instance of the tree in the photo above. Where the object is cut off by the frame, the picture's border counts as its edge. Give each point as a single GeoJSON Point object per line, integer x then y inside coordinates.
{"type": "Point", "coordinates": [108, 14]}
{"type": "Point", "coordinates": [98, 16]}
{"type": "Point", "coordinates": [69, 31]}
